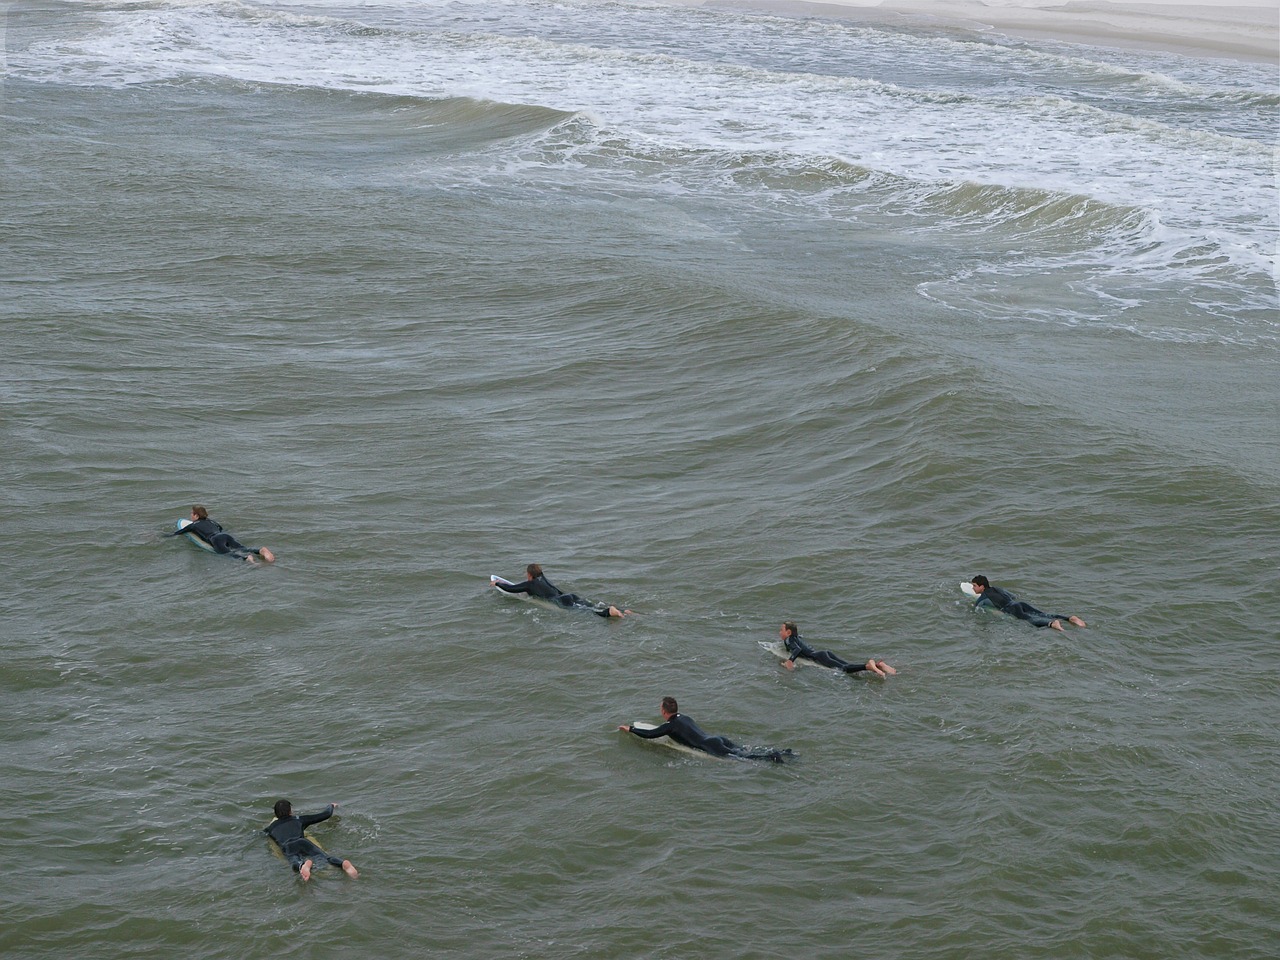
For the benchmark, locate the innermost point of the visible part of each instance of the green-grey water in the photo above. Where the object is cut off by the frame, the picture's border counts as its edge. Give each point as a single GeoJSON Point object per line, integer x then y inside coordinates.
{"type": "Point", "coordinates": [419, 294]}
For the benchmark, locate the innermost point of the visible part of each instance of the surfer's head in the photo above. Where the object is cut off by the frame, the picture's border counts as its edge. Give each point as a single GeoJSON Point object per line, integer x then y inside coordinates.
{"type": "Point", "coordinates": [283, 809]}
{"type": "Point", "coordinates": [789, 629]}
{"type": "Point", "coordinates": [669, 707]}
{"type": "Point", "coordinates": [199, 512]}
{"type": "Point", "coordinates": [980, 583]}
{"type": "Point", "coordinates": [534, 571]}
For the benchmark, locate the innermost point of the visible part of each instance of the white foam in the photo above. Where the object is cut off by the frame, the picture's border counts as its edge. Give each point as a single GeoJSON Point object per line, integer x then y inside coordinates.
{"type": "Point", "coordinates": [933, 110]}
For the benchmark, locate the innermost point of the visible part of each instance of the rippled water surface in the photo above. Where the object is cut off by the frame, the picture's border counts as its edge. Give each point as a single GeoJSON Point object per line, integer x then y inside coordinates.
{"type": "Point", "coordinates": [729, 319]}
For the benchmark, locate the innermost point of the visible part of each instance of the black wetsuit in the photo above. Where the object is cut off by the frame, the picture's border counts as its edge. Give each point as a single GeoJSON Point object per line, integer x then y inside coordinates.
{"type": "Point", "coordinates": [799, 649]}
{"type": "Point", "coordinates": [1006, 602]}
{"type": "Point", "coordinates": [684, 731]}
{"type": "Point", "coordinates": [544, 589]}
{"type": "Point", "coordinates": [211, 532]}
{"type": "Point", "coordinates": [297, 849]}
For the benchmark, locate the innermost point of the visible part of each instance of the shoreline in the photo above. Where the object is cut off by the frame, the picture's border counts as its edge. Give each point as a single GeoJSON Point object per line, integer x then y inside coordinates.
{"type": "Point", "coordinates": [1248, 32]}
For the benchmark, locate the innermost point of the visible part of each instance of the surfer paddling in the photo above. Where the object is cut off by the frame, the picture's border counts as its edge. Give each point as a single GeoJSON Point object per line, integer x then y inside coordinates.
{"type": "Point", "coordinates": [287, 830]}
{"type": "Point", "coordinates": [211, 532]}
{"type": "Point", "coordinates": [537, 585]}
{"type": "Point", "coordinates": [684, 731]}
{"type": "Point", "coordinates": [789, 634]}
{"type": "Point", "coordinates": [1001, 599]}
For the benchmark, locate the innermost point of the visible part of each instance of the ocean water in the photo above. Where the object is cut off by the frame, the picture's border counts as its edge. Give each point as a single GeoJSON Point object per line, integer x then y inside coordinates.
{"type": "Point", "coordinates": [727, 317]}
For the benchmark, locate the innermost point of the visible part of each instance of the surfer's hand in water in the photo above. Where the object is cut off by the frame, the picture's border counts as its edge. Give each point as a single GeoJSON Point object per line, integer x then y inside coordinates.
{"type": "Point", "coordinates": [789, 664]}
{"type": "Point", "coordinates": [624, 728]}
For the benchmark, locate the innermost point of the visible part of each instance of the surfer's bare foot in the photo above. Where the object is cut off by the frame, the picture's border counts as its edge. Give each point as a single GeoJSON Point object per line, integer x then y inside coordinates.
{"type": "Point", "coordinates": [873, 667]}
{"type": "Point", "coordinates": [1077, 621]}
{"type": "Point", "coordinates": [885, 667]}
{"type": "Point", "coordinates": [267, 555]}
{"type": "Point", "coordinates": [1056, 625]}
{"type": "Point", "coordinates": [349, 869]}
{"type": "Point", "coordinates": [304, 871]}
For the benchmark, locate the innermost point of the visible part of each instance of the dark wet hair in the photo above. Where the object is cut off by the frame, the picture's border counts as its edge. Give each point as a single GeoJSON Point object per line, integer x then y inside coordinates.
{"type": "Point", "coordinates": [533, 570]}
{"type": "Point", "coordinates": [669, 705]}
{"type": "Point", "coordinates": [200, 512]}
{"type": "Point", "coordinates": [980, 581]}
{"type": "Point", "coordinates": [283, 809]}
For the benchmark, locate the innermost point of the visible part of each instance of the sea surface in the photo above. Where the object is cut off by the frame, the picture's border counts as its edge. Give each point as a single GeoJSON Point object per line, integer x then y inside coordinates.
{"type": "Point", "coordinates": [725, 317]}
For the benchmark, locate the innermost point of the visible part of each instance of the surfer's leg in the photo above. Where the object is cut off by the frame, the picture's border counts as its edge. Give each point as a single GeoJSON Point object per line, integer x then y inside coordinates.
{"type": "Point", "coordinates": [772, 756]}
{"type": "Point", "coordinates": [828, 659]}
{"type": "Point", "coordinates": [1025, 611]}
{"type": "Point", "coordinates": [343, 864]}
{"type": "Point", "coordinates": [721, 747]}
{"type": "Point", "coordinates": [870, 666]}
{"type": "Point", "coordinates": [299, 857]}
{"type": "Point", "coordinates": [303, 853]}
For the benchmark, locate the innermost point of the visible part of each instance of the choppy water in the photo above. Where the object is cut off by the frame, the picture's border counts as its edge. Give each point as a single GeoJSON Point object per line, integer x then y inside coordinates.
{"type": "Point", "coordinates": [725, 317]}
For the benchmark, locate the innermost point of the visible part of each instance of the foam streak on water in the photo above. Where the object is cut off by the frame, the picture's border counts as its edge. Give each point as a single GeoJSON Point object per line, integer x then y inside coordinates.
{"type": "Point", "coordinates": [1194, 152]}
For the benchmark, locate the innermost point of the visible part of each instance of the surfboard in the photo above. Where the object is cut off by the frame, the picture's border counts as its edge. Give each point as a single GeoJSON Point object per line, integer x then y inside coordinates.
{"type": "Point", "coordinates": [967, 588]}
{"type": "Point", "coordinates": [780, 651]}
{"type": "Point", "coordinates": [672, 744]}
{"type": "Point", "coordinates": [494, 580]}
{"type": "Point", "coordinates": [182, 524]}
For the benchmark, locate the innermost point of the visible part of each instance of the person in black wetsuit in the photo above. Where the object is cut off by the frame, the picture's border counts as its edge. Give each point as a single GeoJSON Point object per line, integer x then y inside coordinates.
{"type": "Point", "coordinates": [287, 831]}
{"type": "Point", "coordinates": [683, 730]}
{"type": "Point", "coordinates": [211, 532]}
{"type": "Point", "coordinates": [789, 634]}
{"type": "Point", "coordinates": [542, 588]}
{"type": "Point", "coordinates": [1001, 599]}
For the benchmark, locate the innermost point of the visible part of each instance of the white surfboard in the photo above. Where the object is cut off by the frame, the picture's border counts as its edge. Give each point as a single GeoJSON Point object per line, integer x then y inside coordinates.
{"type": "Point", "coordinates": [668, 742]}
{"type": "Point", "coordinates": [182, 525]}
{"type": "Point", "coordinates": [780, 651]}
{"type": "Point", "coordinates": [494, 580]}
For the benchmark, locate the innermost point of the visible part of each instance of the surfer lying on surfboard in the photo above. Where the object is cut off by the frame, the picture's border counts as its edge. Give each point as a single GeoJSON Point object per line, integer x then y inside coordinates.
{"type": "Point", "coordinates": [1001, 599]}
{"type": "Point", "coordinates": [789, 634]}
{"type": "Point", "coordinates": [683, 730]}
{"type": "Point", "coordinates": [287, 830]}
{"type": "Point", "coordinates": [539, 586]}
{"type": "Point", "coordinates": [211, 532]}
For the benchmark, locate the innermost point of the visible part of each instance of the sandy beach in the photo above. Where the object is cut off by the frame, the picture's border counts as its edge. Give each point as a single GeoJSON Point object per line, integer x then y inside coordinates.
{"type": "Point", "coordinates": [1242, 31]}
